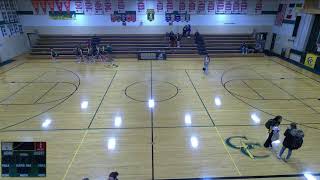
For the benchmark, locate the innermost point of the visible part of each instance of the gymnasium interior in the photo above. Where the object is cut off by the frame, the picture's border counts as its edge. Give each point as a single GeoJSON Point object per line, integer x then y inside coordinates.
{"type": "Point", "coordinates": [159, 89]}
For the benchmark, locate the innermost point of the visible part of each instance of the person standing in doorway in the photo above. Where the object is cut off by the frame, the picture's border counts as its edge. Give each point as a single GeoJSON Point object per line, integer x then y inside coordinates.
{"type": "Point", "coordinates": [293, 140]}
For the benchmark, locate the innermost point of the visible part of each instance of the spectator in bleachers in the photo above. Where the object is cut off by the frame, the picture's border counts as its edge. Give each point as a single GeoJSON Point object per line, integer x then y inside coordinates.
{"type": "Point", "coordinates": [79, 53]}
{"type": "Point", "coordinates": [244, 48]}
{"type": "Point", "coordinates": [113, 176]}
{"type": "Point", "coordinates": [172, 39]}
{"type": "Point", "coordinates": [53, 54]}
{"type": "Point", "coordinates": [184, 31]}
{"type": "Point", "coordinates": [178, 39]}
{"type": "Point", "coordinates": [188, 30]}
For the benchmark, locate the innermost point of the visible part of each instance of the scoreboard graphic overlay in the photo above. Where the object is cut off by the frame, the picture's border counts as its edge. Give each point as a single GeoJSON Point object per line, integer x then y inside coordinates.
{"type": "Point", "coordinates": [23, 159]}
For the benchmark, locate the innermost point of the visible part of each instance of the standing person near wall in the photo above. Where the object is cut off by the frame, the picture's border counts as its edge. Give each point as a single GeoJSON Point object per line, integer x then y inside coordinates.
{"type": "Point", "coordinates": [53, 54]}
{"type": "Point", "coordinates": [79, 53]}
{"type": "Point", "coordinates": [293, 140]}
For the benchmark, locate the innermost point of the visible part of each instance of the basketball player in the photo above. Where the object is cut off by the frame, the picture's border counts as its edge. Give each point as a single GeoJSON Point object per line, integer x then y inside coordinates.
{"type": "Point", "coordinates": [206, 62]}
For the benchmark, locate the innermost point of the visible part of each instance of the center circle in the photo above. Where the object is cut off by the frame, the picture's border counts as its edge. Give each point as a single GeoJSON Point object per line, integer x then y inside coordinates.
{"type": "Point", "coordinates": [161, 91]}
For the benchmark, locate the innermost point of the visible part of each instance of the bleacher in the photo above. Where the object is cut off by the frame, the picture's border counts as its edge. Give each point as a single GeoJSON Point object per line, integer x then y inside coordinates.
{"type": "Point", "coordinates": [128, 46]}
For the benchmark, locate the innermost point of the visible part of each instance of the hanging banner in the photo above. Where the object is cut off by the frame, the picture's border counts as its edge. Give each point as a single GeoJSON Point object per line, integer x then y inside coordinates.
{"type": "Point", "coordinates": [201, 6]}
{"type": "Point", "coordinates": [2, 6]}
{"type": "Point", "coordinates": [236, 7]}
{"type": "Point", "coordinates": [67, 5]}
{"type": "Point", "coordinates": [107, 6]}
{"type": "Point", "coordinates": [51, 5]}
{"type": "Point", "coordinates": [140, 5]}
{"type": "Point", "coordinates": [78, 6]}
{"type": "Point", "coordinates": [88, 7]}
{"type": "Point", "coordinates": [159, 5]}
{"type": "Point", "coordinates": [35, 5]}
{"type": "Point", "coordinates": [182, 5]}
{"type": "Point", "coordinates": [290, 13]}
{"type": "Point", "coordinates": [244, 7]}
{"type": "Point", "coordinates": [127, 16]}
{"type": "Point", "coordinates": [4, 31]}
{"type": "Point", "coordinates": [211, 6]}
{"type": "Point", "coordinates": [168, 17]}
{"type": "Point", "coordinates": [177, 17]}
{"type": "Point", "coordinates": [280, 15]}
{"type": "Point", "coordinates": [98, 7]}
{"type": "Point", "coordinates": [228, 7]}
{"type": "Point", "coordinates": [43, 4]}
{"type": "Point", "coordinates": [150, 14]}
{"type": "Point", "coordinates": [192, 6]}
{"type": "Point", "coordinates": [169, 5]}
{"type": "Point", "coordinates": [59, 5]}
{"type": "Point", "coordinates": [258, 9]}
{"type": "Point", "coordinates": [121, 6]}
{"type": "Point", "coordinates": [220, 7]}
{"type": "Point", "coordinates": [5, 17]}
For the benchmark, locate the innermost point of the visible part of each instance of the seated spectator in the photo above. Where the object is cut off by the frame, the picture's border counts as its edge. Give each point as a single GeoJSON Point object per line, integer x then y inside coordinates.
{"type": "Point", "coordinates": [172, 39]}
{"type": "Point", "coordinates": [178, 39]}
{"type": "Point", "coordinates": [188, 31]}
{"type": "Point", "coordinates": [53, 54]}
{"type": "Point", "coordinates": [113, 176]}
{"type": "Point", "coordinates": [184, 31]}
{"type": "Point", "coordinates": [244, 48]}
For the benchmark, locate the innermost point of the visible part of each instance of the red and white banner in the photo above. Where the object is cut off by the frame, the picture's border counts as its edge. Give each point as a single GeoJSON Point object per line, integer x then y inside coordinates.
{"type": "Point", "coordinates": [210, 5]}
{"type": "Point", "coordinates": [258, 9]}
{"type": "Point", "coordinates": [35, 5]}
{"type": "Point", "coordinates": [107, 6]}
{"type": "Point", "coordinates": [67, 5]}
{"type": "Point", "coordinates": [182, 5]}
{"type": "Point", "coordinates": [159, 5]}
{"type": "Point", "coordinates": [192, 6]}
{"type": "Point", "coordinates": [170, 5]}
{"type": "Point", "coordinates": [51, 5]}
{"type": "Point", "coordinates": [88, 6]}
{"type": "Point", "coordinates": [78, 6]}
{"type": "Point", "coordinates": [121, 5]}
{"type": "Point", "coordinates": [43, 4]}
{"type": "Point", "coordinates": [141, 5]}
{"type": "Point", "coordinates": [236, 7]}
{"type": "Point", "coordinates": [220, 6]}
{"type": "Point", "coordinates": [244, 7]}
{"type": "Point", "coordinates": [201, 6]}
{"type": "Point", "coordinates": [59, 5]}
{"type": "Point", "coordinates": [98, 7]}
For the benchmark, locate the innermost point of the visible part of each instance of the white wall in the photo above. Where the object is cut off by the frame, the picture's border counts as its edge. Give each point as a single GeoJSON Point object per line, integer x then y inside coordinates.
{"type": "Point", "coordinates": [13, 46]}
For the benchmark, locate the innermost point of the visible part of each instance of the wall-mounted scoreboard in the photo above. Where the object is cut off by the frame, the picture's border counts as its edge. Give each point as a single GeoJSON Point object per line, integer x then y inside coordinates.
{"type": "Point", "coordinates": [23, 159]}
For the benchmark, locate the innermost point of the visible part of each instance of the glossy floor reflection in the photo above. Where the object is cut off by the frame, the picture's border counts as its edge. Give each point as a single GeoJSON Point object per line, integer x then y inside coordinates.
{"type": "Point", "coordinates": [161, 119]}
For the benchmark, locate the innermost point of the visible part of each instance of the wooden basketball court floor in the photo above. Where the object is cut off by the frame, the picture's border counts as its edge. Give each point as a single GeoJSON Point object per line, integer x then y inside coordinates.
{"type": "Point", "coordinates": [95, 119]}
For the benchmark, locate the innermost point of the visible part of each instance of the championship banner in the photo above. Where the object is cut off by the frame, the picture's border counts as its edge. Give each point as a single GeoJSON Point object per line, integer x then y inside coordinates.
{"type": "Point", "coordinates": [5, 17]}
{"type": "Point", "coordinates": [128, 16]}
{"type": "Point", "coordinates": [236, 7]}
{"type": "Point", "coordinates": [107, 6]}
{"type": "Point", "coordinates": [192, 6]}
{"type": "Point", "coordinates": [62, 15]}
{"type": "Point", "coordinates": [2, 6]}
{"type": "Point", "coordinates": [35, 5]}
{"type": "Point", "coordinates": [211, 6]}
{"type": "Point", "coordinates": [16, 28]}
{"type": "Point", "coordinates": [168, 17]}
{"type": "Point", "coordinates": [98, 7]}
{"type": "Point", "coordinates": [59, 5]}
{"type": "Point", "coordinates": [220, 7]}
{"type": "Point", "coordinates": [67, 5]}
{"type": "Point", "coordinates": [20, 29]}
{"type": "Point", "coordinates": [12, 5]}
{"type": "Point", "coordinates": [78, 6]}
{"type": "Point", "coordinates": [159, 5]}
{"type": "Point", "coordinates": [11, 20]}
{"type": "Point", "coordinates": [169, 5]}
{"type": "Point", "coordinates": [4, 31]}
{"type": "Point", "coordinates": [141, 5]}
{"type": "Point", "coordinates": [150, 14]}
{"type": "Point", "coordinates": [201, 6]}
{"type": "Point", "coordinates": [290, 14]}
{"type": "Point", "coordinates": [310, 60]}
{"type": "Point", "coordinates": [177, 17]}
{"type": "Point", "coordinates": [43, 4]}
{"type": "Point", "coordinates": [258, 9]}
{"type": "Point", "coordinates": [121, 5]}
{"type": "Point", "coordinates": [244, 7]}
{"type": "Point", "coordinates": [51, 5]}
{"type": "Point", "coordinates": [280, 15]}
{"type": "Point", "coordinates": [228, 7]}
{"type": "Point", "coordinates": [88, 6]}
{"type": "Point", "coordinates": [182, 5]}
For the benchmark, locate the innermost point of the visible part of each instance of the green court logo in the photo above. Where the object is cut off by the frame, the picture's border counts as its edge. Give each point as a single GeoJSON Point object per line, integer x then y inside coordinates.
{"type": "Point", "coordinates": [246, 147]}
